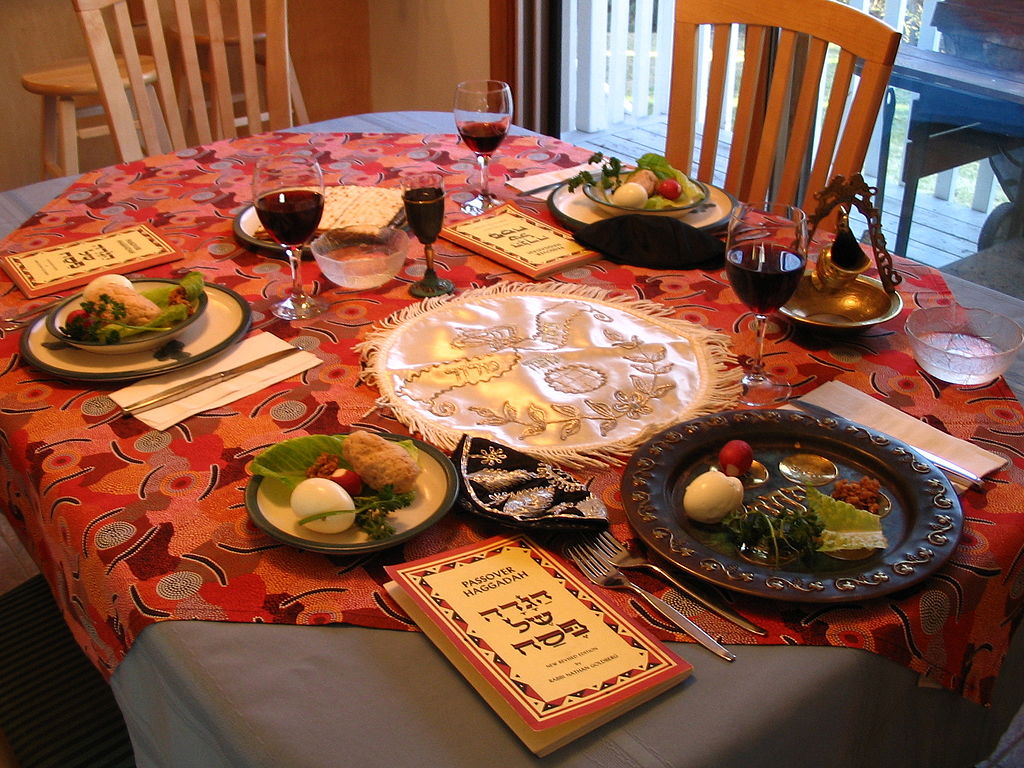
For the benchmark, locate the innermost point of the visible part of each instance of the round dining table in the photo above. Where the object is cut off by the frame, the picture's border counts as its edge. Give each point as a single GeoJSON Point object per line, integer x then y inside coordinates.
{"type": "Point", "coordinates": [224, 694]}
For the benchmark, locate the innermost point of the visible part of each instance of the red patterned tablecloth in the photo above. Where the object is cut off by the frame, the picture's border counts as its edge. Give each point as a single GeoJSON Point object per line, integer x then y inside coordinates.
{"type": "Point", "coordinates": [133, 526]}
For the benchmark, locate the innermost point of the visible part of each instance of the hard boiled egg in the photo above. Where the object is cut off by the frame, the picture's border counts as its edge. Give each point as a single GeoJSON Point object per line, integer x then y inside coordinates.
{"type": "Point", "coordinates": [106, 284]}
{"type": "Point", "coordinates": [319, 494]}
{"type": "Point", "coordinates": [630, 195]}
{"type": "Point", "coordinates": [711, 496]}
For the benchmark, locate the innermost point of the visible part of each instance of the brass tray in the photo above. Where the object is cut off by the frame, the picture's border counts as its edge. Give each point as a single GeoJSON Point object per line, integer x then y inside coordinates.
{"type": "Point", "coordinates": [856, 307]}
{"type": "Point", "coordinates": [922, 528]}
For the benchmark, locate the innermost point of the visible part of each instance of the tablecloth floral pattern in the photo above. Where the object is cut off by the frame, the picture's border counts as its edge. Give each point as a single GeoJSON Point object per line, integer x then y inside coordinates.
{"type": "Point", "coordinates": [133, 526]}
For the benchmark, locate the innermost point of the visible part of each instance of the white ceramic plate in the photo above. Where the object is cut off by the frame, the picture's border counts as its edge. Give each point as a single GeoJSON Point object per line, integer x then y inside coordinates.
{"type": "Point", "coordinates": [266, 500]}
{"type": "Point", "coordinates": [575, 210]}
{"type": "Point", "coordinates": [599, 197]}
{"type": "Point", "coordinates": [143, 342]}
{"type": "Point", "coordinates": [224, 322]}
{"type": "Point", "coordinates": [247, 224]}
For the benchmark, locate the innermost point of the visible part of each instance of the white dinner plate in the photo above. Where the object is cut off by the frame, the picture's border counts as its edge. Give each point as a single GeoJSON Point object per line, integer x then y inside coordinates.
{"type": "Point", "coordinates": [225, 321]}
{"type": "Point", "coordinates": [266, 499]}
{"type": "Point", "coordinates": [575, 210]}
{"type": "Point", "coordinates": [245, 227]}
{"type": "Point", "coordinates": [247, 224]}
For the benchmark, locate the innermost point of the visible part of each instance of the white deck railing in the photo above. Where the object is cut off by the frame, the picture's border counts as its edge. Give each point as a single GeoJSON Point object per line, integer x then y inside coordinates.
{"type": "Point", "coordinates": [618, 66]}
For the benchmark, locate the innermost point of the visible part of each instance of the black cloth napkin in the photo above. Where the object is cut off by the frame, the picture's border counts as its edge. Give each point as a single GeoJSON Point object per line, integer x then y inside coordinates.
{"type": "Point", "coordinates": [509, 487]}
{"type": "Point", "coordinates": [655, 242]}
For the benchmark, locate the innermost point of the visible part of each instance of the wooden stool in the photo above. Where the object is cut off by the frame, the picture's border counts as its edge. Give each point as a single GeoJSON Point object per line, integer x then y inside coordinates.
{"type": "Point", "coordinates": [59, 84]}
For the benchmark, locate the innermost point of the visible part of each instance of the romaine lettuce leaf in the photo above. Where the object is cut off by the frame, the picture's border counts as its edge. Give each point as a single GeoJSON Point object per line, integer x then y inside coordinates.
{"type": "Point", "coordinates": [288, 461]}
{"type": "Point", "coordinates": [846, 526]}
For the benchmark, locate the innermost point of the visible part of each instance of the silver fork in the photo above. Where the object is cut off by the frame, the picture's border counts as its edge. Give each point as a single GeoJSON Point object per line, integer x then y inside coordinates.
{"type": "Point", "coordinates": [619, 555]}
{"type": "Point", "coordinates": [603, 573]}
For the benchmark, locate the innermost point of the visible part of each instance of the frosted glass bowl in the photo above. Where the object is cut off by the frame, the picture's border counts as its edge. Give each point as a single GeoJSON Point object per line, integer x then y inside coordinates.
{"type": "Point", "coordinates": [360, 258]}
{"type": "Point", "coordinates": [961, 345]}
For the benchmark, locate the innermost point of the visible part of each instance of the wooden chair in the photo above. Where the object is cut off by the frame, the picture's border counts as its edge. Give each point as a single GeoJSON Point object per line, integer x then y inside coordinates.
{"type": "Point", "coordinates": [779, 150]}
{"type": "Point", "coordinates": [70, 98]}
{"type": "Point", "coordinates": [232, 41]}
{"type": "Point", "coordinates": [210, 112]}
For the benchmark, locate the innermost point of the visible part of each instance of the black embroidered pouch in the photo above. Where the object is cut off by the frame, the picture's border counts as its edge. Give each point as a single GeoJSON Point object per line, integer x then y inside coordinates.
{"type": "Point", "coordinates": [512, 488]}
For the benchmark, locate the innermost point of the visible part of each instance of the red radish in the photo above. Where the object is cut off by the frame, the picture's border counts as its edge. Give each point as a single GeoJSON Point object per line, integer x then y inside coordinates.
{"type": "Point", "coordinates": [669, 189]}
{"type": "Point", "coordinates": [736, 457]}
{"type": "Point", "coordinates": [348, 480]}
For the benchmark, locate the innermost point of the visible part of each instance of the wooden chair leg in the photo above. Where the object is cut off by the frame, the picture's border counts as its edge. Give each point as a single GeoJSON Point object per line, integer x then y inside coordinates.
{"type": "Point", "coordinates": [67, 136]}
{"type": "Point", "coordinates": [49, 137]}
{"type": "Point", "coordinates": [161, 124]}
{"type": "Point", "coordinates": [298, 103]}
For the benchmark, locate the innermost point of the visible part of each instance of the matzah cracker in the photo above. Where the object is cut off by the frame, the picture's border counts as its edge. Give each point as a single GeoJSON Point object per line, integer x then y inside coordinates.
{"type": "Point", "coordinates": [354, 206]}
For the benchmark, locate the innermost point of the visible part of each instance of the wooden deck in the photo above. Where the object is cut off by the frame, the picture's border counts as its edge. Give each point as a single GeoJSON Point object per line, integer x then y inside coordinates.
{"type": "Point", "coordinates": [942, 232]}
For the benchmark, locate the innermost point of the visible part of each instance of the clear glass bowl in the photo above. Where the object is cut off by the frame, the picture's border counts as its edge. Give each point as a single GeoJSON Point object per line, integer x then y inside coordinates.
{"type": "Point", "coordinates": [961, 345]}
{"type": "Point", "coordinates": [360, 258]}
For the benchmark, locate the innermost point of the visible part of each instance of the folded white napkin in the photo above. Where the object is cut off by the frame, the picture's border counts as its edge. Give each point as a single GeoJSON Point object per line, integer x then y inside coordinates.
{"type": "Point", "coordinates": [221, 393]}
{"type": "Point", "coordinates": [526, 183]}
{"type": "Point", "coordinates": [862, 408]}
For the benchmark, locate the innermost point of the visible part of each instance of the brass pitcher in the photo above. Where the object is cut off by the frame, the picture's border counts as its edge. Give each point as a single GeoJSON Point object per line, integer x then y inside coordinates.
{"type": "Point", "coordinates": [841, 262]}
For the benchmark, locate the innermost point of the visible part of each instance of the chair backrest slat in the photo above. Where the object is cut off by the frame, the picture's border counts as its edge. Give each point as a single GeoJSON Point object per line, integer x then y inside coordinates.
{"type": "Point", "coordinates": [786, 142]}
{"type": "Point", "coordinates": [194, 98]}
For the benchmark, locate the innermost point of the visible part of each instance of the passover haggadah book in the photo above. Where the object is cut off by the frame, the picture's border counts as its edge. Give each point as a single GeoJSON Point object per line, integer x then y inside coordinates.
{"type": "Point", "coordinates": [550, 657]}
{"type": "Point", "coordinates": [66, 265]}
{"type": "Point", "coordinates": [518, 240]}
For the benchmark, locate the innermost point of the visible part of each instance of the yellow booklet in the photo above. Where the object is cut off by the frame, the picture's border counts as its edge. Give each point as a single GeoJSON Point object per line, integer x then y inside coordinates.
{"type": "Point", "coordinates": [66, 265]}
{"type": "Point", "coordinates": [549, 656]}
{"type": "Point", "coordinates": [511, 236]}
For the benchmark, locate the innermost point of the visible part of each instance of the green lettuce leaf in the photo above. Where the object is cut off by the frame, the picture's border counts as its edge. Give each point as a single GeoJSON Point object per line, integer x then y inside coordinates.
{"type": "Point", "coordinates": [846, 526]}
{"type": "Point", "coordinates": [288, 461]}
{"type": "Point", "coordinates": [660, 167]}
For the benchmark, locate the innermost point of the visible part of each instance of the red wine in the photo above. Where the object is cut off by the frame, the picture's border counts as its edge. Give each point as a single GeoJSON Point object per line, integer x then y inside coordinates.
{"type": "Point", "coordinates": [764, 275]}
{"type": "Point", "coordinates": [290, 215]}
{"type": "Point", "coordinates": [424, 209]}
{"type": "Point", "coordinates": [484, 137]}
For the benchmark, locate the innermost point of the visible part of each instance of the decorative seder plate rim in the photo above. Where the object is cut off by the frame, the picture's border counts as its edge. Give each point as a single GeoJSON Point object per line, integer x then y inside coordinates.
{"type": "Point", "coordinates": [930, 518]}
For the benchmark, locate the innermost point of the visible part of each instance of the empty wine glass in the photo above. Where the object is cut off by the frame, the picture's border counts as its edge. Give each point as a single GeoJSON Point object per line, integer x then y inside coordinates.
{"type": "Point", "coordinates": [765, 255]}
{"type": "Point", "coordinates": [288, 194]}
{"type": "Point", "coordinates": [423, 195]}
{"type": "Point", "coordinates": [483, 114]}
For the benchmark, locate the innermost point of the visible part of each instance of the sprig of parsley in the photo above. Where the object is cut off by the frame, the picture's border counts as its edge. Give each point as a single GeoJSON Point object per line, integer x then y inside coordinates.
{"type": "Point", "coordinates": [371, 511]}
{"type": "Point", "coordinates": [779, 534]}
{"type": "Point", "coordinates": [611, 170]}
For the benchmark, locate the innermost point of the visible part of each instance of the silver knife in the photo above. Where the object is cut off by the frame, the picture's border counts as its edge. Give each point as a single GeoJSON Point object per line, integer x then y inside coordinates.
{"type": "Point", "coordinates": [957, 474]}
{"type": "Point", "coordinates": [544, 188]}
{"type": "Point", "coordinates": [685, 624]}
{"type": "Point", "coordinates": [187, 388]}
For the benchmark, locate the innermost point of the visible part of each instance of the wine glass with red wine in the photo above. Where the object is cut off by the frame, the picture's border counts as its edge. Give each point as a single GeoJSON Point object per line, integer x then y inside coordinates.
{"type": "Point", "coordinates": [765, 256]}
{"type": "Point", "coordinates": [288, 194]}
{"type": "Point", "coordinates": [423, 195]}
{"type": "Point", "coordinates": [483, 114]}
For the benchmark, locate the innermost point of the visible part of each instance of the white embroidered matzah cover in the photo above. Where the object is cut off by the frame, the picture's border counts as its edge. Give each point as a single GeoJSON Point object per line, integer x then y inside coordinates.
{"type": "Point", "coordinates": [566, 373]}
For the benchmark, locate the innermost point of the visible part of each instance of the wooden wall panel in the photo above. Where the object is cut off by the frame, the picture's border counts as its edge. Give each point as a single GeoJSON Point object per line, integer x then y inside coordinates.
{"type": "Point", "coordinates": [330, 44]}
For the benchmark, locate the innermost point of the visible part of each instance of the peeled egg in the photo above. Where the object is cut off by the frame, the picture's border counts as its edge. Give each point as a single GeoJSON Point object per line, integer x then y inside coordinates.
{"type": "Point", "coordinates": [711, 496]}
{"type": "Point", "coordinates": [630, 195]}
{"type": "Point", "coordinates": [103, 284]}
{"type": "Point", "coordinates": [319, 494]}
